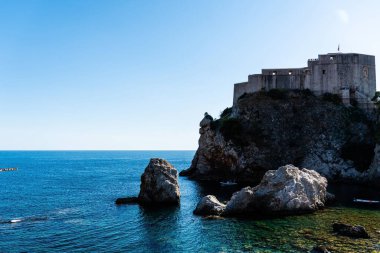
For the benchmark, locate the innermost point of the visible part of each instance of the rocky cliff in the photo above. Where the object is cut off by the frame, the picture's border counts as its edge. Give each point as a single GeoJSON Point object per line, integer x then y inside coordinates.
{"type": "Point", "coordinates": [266, 130]}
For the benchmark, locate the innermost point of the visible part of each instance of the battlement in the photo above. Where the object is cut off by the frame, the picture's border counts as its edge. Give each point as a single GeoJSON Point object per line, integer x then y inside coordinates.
{"type": "Point", "coordinates": [287, 71]}
{"type": "Point", "coordinates": [340, 58]}
{"type": "Point", "coordinates": [351, 75]}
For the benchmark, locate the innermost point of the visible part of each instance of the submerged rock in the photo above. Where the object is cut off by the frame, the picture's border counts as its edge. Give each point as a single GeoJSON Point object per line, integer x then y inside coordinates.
{"type": "Point", "coordinates": [320, 249]}
{"type": "Point", "coordinates": [209, 205]}
{"type": "Point", "coordinates": [287, 190]}
{"type": "Point", "coordinates": [350, 231]}
{"type": "Point", "coordinates": [213, 217]}
{"type": "Point", "coordinates": [159, 183]}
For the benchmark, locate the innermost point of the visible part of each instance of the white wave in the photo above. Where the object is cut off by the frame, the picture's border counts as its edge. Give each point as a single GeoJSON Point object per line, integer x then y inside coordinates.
{"type": "Point", "coordinates": [15, 220]}
{"type": "Point", "coordinates": [76, 221]}
{"type": "Point", "coordinates": [66, 210]}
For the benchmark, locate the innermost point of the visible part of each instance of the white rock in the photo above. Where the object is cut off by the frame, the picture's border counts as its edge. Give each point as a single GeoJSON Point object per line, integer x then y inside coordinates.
{"type": "Point", "coordinates": [285, 190]}
{"type": "Point", "coordinates": [209, 205]}
{"type": "Point", "coordinates": [240, 201]}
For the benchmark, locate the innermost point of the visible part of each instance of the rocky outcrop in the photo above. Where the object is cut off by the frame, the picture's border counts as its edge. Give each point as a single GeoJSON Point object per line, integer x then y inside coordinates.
{"type": "Point", "coordinates": [330, 198]}
{"type": "Point", "coordinates": [320, 249]}
{"type": "Point", "coordinates": [159, 183]}
{"type": "Point", "coordinates": [287, 190]}
{"type": "Point", "coordinates": [241, 202]}
{"type": "Point", "coordinates": [374, 170]}
{"type": "Point", "coordinates": [209, 205]}
{"type": "Point", "coordinates": [265, 130]}
{"type": "Point", "coordinates": [350, 231]}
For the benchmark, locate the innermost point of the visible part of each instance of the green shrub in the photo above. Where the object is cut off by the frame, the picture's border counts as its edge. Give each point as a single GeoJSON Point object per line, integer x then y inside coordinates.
{"type": "Point", "coordinates": [256, 133]}
{"type": "Point", "coordinates": [376, 130]}
{"type": "Point", "coordinates": [333, 98]}
{"type": "Point", "coordinates": [356, 114]}
{"type": "Point", "coordinates": [226, 112]}
{"type": "Point", "coordinates": [307, 93]}
{"type": "Point", "coordinates": [377, 95]}
{"type": "Point", "coordinates": [277, 94]}
{"type": "Point", "coordinates": [230, 128]}
{"type": "Point", "coordinates": [354, 102]}
{"type": "Point", "coordinates": [215, 124]}
{"type": "Point", "coordinates": [243, 96]}
{"type": "Point", "coordinates": [376, 101]}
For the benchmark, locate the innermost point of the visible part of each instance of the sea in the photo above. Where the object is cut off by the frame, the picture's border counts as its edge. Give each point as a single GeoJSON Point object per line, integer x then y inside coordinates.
{"type": "Point", "coordinates": [64, 201]}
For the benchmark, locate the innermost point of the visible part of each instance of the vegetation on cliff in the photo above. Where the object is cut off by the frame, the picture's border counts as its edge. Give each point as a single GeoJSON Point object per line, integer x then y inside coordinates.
{"type": "Point", "coordinates": [265, 130]}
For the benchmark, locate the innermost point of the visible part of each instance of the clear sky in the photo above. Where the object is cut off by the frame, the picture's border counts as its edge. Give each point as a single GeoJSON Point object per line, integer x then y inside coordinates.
{"type": "Point", "coordinates": [87, 74]}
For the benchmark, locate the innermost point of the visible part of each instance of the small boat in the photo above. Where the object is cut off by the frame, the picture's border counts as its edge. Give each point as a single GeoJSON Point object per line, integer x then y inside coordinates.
{"type": "Point", "coordinates": [7, 169]}
{"type": "Point", "coordinates": [228, 183]}
{"type": "Point", "coordinates": [366, 201]}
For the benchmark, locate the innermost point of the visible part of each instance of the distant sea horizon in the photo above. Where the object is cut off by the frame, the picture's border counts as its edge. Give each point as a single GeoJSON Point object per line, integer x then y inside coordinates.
{"type": "Point", "coordinates": [25, 150]}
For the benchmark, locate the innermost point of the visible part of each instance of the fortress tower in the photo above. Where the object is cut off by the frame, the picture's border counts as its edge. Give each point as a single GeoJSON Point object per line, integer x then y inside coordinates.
{"type": "Point", "coordinates": [351, 75]}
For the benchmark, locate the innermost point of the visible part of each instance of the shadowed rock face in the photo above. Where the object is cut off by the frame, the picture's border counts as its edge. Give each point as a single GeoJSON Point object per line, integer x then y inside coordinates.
{"type": "Point", "coordinates": [287, 190]}
{"type": "Point", "coordinates": [159, 183]}
{"type": "Point", "coordinates": [262, 132]}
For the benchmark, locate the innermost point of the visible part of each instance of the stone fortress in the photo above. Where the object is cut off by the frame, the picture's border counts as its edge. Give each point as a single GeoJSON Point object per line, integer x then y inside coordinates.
{"type": "Point", "coordinates": [349, 75]}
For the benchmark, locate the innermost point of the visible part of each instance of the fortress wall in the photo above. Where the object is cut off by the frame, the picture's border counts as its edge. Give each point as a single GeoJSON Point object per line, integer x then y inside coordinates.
{"type": "Point", "coordinates": [283, 81]}
{"type": "Point", "coordinates": [372, 80]}
{"type": "Point", "coordinates": [366, 74]}
{"type": "Point", "coordinates": [295, 71]}
{"type": "Point", "coordinates": [324, 78]}
{"type": "Point", "coordinates": [334, 73]}
{"type": "Point", "coordinates": [240, 89]}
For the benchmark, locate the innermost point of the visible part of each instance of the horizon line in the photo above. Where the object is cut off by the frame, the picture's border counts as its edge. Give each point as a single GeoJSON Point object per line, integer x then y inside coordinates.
{"type": "Point", "coordinates": [2, 150]}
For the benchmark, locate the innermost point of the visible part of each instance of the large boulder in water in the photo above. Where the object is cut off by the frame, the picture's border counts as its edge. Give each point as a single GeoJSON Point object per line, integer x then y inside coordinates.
{"type": "Point", "coordinates": [241, 202]}
{"type": "Point", "coordinates": [287, 190]}
{"type": "Point", "coordinates": [209, 205]}
{"type": "Point", "coordinates": [159, 183]}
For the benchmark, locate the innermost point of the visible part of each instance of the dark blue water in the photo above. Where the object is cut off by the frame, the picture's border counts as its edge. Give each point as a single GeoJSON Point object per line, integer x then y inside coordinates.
{"type": "Point", "coordinates": [64, 202]}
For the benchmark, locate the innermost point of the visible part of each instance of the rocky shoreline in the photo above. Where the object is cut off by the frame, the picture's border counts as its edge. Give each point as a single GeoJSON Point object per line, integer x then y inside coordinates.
{"type": "Point", "coordinates": [286, 191]}
{"type": "Point", "coordinates": [249, 145]}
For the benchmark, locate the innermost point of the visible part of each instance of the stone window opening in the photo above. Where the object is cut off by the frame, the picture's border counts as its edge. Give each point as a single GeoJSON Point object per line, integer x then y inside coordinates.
{"type": "Point", "coordinates": [290, 73]}
{"type": "Point", "coordinates": [323, 71]}
{"type": "Point", "coordinates": [274, 73]}
{"type": "Point", "coordinates": [331, 58]}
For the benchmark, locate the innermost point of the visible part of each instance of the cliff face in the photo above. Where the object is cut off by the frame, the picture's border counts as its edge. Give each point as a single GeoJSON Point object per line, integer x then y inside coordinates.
{"type": "Point", "coordinates": [266, 130]}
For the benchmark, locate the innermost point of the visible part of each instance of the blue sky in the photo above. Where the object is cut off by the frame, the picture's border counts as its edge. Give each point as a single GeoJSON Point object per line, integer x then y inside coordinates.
{"type": "Point", "coordinates": [87, 74]}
